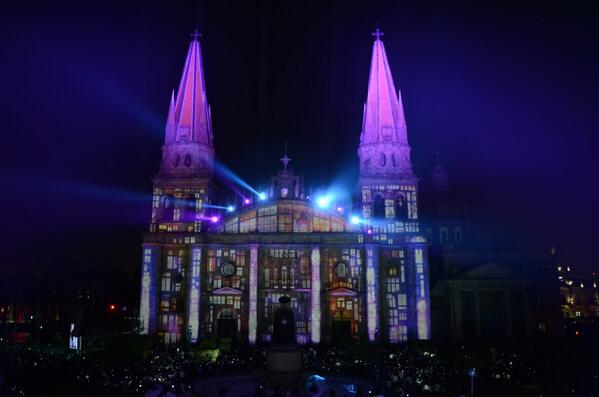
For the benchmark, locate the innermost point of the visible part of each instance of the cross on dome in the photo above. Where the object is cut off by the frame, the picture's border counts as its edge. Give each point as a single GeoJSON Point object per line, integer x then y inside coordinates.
{"type": "Point", "coordinates": [285, 160]}
{"type": "Point", "coordinates": [196, 34]}
{"type": "Point", "coordinates": [377, 33]}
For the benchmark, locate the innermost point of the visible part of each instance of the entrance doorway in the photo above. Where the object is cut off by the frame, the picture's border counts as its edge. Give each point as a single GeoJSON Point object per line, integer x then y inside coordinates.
{"type": "Point", "coordinates": [341, 327]}
{"type": "Point", "coordinates": [226, 326]}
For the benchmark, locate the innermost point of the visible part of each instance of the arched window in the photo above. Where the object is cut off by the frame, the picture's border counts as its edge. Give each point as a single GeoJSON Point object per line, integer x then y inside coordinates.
{"type": "Point", "coordinates": [457, 234]}
{"type": "Point", "coordinates": [443, 236]}
{"type": "Point", "coordinates": [378, 210]}
{"type": "Point", "coordinates": [401, 207]}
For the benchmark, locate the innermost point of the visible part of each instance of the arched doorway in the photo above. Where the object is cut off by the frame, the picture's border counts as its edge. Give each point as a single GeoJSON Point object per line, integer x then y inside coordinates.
{"type": "Point", "coordinates": [226, 326]}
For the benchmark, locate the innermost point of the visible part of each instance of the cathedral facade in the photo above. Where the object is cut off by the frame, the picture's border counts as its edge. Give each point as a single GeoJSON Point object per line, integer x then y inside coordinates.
{"type": "Point", "coordinates": [360, 274]}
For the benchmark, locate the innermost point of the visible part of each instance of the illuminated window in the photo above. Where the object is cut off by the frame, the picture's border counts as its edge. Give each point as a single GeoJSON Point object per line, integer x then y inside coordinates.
{"type": "Point", "coordinates": [267, 219]}
{"type": "Point", "coordinates": [321, 223]}
{"type": "Point", "coordinates": [164, 305]}
{"type": "Point", "coordinates": [392, 284]}
{"type": "Point", "coordinates": [403, 333]}
{"type": "Point", "coordinates": [366, 195]}
{"type": "Point", "coordinates": [247, 222]}
{"type": "Point", "coordinates": [232, 225]}
{"type": "Point", "coordinates": [286, 218]}
{"type": "Point", "coordinates": [389, 209]}
{"type": "Point", "coordinates": [166, 282]}
{"type": "Point", "coordinates": [402, 300]}
{"type": "Point", "coordinates": [337, 226]}
{"type": "Point", "coordinates": [302, 220]}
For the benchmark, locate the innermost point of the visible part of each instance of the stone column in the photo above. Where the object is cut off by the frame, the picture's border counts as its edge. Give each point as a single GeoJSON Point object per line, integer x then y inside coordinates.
{"type": "Point", "coordinates": [193, 306]}
{"type": "Point", "coordinates": [372, 277]}
{"type": "Point", "coordinates": [315, 312]}
{"type": "Point", "coordinates": [150, 270]}
{"type": "Point", "coordinates": [253, 287]}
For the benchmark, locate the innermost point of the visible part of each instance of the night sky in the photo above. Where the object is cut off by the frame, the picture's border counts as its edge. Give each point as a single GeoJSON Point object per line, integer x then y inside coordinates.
{"type": "Point", "coordinates": [506, 92]}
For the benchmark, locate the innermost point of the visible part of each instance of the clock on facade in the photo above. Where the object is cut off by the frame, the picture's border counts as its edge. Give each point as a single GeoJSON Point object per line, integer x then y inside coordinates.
{"type": "Point", "coordinates": [341, 269]}
{"type": "Point", "coordinates": [284, 192]}
{"type": "Point", "coordinates": [228, 269]}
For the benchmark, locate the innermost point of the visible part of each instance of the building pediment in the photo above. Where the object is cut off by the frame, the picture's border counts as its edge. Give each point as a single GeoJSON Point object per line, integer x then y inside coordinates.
{"type": "Point", "coordinates": [342, 292]}
{"type": "Point", "coordinates": [227, 291]}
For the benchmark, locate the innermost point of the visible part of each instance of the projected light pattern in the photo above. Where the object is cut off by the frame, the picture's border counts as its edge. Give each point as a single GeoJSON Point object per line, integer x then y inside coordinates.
{"type": "Point", "coordinates": [315, 296]}
{"type": "Point", "coordinates": [422, 316]}
{"type": "Point", "coordinates": [194, 294]}
{"type": "Point", "coordinates": [149, 285]}
{"type": "Point", "coordinates": [253, 310]}
{"type": "Point", "coordinates": [219, 207]}
{"type": "Point", "coordinates": [371, 292]}
{"type": "Point", "coordinates": [323, 201]}
{"type": "Point", "coordinates": [226, 173]}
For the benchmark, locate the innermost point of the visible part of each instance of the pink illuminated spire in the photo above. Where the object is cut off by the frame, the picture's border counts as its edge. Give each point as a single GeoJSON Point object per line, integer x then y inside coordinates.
{"type": "Point", "coordinates": [189, 114]}
{"type": "Point", "coordinates": [383, 119]}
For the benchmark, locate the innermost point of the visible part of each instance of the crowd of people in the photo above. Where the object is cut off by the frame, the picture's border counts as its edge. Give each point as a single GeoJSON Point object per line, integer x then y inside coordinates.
{"type": "Point", "coordinates": [392, 371]}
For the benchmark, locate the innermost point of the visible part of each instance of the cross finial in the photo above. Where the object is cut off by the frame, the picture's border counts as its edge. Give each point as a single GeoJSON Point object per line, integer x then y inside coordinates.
{"type": "Point", "coordinates": [377, 33]}
{"type": "Point", "coordinates": [196, 34]}
{"type": "Point", "coordinates": [285, 160]}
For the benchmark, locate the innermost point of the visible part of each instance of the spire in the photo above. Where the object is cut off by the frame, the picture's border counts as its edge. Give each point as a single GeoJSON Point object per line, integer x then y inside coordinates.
{"type": "Point", "coordinates": [171, 125]}
{"type": "Point", "coordinates": [383, 119]}
{"type": "Point", "coordinates": [171, 110]}
{"type": "Point", "coordinates": [190, 113]}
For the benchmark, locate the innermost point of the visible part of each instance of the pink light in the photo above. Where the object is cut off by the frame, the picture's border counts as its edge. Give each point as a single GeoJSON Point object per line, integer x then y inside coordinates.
{"type": "Point", "coordinates": [214, 219]}
{"type": "Point", "coordinates": [369, 231]}
{"type": "Point", "coordinates": [247, 201]}
{"type": "Point", "coordinates": [339, 209]}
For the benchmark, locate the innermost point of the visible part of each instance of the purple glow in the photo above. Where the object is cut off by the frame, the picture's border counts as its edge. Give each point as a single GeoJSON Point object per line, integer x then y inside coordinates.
{"type": "Point", "coordinates": [214, 219]}
{"type": "Point", "coordinates": [339, 209]}
{"type": "Point", "coordinates": [247, 201]}
{"type": "Point", "coordinates": [369, 231]}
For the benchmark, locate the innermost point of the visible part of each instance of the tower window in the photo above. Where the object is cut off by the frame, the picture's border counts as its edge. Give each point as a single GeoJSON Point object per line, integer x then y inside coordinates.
{"type": "Point", "coordinates": [457, 234]}
{"type": "Point", "coordinates": [379, 207]}
{"type": "Point", "coordinates": [401, 207]}
{"type": "Point", "coordinates": [443, 236]}
{"type": "Point", "coordinates": [167, 207]}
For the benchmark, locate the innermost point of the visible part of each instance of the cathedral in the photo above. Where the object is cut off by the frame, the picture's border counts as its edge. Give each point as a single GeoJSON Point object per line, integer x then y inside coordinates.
{"type": "Point", "coordinates": [354, 270]}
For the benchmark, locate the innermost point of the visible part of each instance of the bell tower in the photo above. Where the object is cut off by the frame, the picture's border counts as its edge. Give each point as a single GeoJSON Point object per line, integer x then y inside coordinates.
{"type": "Point", "coordinates": [184, 182]}
{"type": "Point", "coordinates": [388, 186]}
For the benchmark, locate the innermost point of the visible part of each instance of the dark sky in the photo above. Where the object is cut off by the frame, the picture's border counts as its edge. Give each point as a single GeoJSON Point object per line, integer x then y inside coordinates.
{"type": "Point", "coordinates": [507, 92]}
